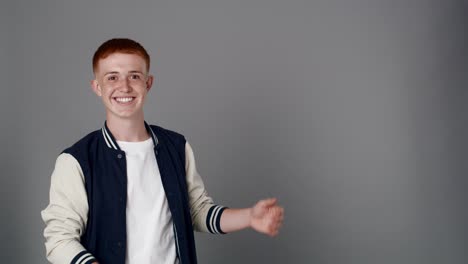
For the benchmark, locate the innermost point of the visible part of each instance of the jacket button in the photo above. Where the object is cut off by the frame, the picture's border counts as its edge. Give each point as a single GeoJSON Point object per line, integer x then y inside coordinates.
{"type": "Point", "coordinates": [119, 244]}
{"type": "Point", "coordinates": [119, 156]}
{"type": "Point", "coordinates": [157, 153]}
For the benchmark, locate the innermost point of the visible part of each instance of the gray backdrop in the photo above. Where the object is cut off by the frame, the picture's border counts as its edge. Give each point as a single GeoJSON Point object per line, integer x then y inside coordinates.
{"type": "Point", "coordinates": [352, 113]}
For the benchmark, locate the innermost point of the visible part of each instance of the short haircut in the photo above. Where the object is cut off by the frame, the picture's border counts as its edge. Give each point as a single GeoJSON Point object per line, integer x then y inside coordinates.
{"type": "Point", "coordinates": [120, 45]}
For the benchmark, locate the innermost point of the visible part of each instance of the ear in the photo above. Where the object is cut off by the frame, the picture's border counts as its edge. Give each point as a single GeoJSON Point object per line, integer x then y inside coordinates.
{"type": "Point", "coordinates": [149, 82]}
{"type": "Point", "coordinates": [96, 87]}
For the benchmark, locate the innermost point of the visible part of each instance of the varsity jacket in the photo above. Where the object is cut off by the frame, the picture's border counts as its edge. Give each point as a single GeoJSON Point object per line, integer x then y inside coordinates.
{"type": "Point", "coordinates": [86, 217]}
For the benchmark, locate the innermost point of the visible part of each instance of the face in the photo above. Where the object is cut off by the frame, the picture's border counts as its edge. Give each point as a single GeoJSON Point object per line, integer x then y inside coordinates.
{"type": "Point", "coordinates": [122, 82]}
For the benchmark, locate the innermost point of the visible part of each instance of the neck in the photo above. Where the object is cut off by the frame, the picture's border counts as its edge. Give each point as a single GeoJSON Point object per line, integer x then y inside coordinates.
{"type": "Point", "coordinates": [130, 130]}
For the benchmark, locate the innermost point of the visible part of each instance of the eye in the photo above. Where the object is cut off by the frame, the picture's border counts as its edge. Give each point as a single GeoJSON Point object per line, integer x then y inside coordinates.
{"type": "Point", "coordinates": [112, 78]}
{"type": "Point", "coordinates": [135, 77]}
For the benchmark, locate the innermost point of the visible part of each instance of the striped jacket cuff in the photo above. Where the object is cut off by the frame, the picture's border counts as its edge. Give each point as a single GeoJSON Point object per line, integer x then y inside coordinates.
{"type": "Point", "coordinates": [213, 219]}
{"type": "Point", "coordinates": [84, 257]}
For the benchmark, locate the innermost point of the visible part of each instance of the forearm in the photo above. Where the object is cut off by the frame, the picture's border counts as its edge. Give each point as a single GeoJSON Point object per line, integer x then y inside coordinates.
{"type": "Point", "coordinates": [265, 217]}
{"type": "Point", "coordinates": [235, 219]}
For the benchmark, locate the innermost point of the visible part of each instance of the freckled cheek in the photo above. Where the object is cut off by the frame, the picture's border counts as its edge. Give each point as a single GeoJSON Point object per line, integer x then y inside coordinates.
{"type": "Point", "coordinates": [109, 93]}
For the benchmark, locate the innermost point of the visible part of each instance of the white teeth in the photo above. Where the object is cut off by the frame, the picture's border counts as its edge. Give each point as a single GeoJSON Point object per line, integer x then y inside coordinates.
{"type": "Point", "coordinates": [124, 99]}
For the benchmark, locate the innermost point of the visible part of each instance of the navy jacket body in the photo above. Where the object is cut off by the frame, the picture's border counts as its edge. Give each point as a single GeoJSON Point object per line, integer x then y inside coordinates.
{"type": "Point", "coordinates": [104, 167]}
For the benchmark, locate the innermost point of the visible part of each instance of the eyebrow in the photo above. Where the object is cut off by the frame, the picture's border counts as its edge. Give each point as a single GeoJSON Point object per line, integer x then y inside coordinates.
{"type": "Point", "coordinates": [112, 72]}
{"type": "Point", "coordinates": [115, 72]}
{"type": "Point", "coordinates": [136, 72]}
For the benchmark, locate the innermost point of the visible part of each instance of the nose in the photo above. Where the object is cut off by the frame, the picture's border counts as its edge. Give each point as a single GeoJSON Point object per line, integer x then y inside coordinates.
{"type": "Point", "coordinates": [125, 86]}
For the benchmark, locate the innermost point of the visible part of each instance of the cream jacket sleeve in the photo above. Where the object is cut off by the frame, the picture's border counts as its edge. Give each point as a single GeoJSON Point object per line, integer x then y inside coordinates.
{"type": "Point", "coordinates": [206, 215]}
{"type": "Point", "coordinates": [66, 215]}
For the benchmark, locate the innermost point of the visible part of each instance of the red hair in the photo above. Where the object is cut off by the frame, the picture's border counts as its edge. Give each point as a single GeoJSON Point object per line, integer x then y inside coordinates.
{"type": "Point", "coordinates": [120, 45]}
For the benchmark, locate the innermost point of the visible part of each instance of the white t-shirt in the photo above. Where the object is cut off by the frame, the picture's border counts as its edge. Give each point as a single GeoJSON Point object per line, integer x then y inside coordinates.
{"type": "Point", "coordinates": [150, 235]}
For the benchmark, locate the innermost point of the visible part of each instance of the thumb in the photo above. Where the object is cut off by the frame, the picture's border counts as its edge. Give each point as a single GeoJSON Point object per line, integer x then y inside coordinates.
{"type": "Point", "coordinates": [267, 202]}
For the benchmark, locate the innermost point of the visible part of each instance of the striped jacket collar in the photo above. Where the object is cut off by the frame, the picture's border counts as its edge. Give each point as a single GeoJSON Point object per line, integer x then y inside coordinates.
{"type": "Point", "coordinates": [112, 143]}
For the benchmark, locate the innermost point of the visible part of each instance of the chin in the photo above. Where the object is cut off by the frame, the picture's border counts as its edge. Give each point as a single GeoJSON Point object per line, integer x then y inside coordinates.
{"type": "Point", "coordinates": [126, 115]}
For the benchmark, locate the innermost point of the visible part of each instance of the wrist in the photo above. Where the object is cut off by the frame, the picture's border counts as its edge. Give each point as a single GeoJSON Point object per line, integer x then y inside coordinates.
{"type": "Point", "coordinates": [250, 217]}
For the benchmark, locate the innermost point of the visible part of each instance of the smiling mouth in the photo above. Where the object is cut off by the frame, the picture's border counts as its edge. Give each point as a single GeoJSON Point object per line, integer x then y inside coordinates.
{"type": "Point", "coordinates": [124, 99]}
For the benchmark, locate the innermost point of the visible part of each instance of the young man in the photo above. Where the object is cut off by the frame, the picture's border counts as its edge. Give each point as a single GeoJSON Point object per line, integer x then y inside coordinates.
{"type": "Point", "coordinates": [130, 192]}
